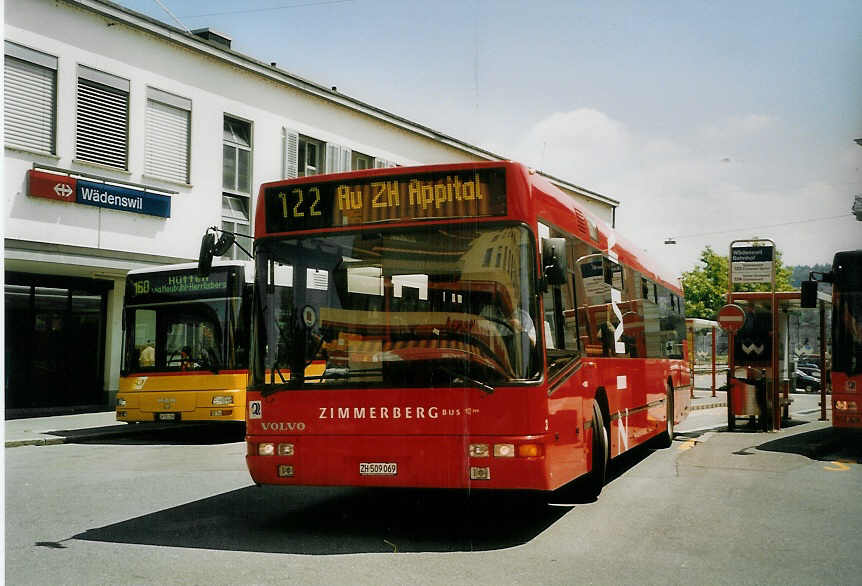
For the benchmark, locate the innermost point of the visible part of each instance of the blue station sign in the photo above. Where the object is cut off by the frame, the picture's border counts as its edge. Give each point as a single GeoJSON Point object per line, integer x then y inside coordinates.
{"type": "Point", "coordinates": [103, 195]}
{"type": "Point", "coordinates": [122, 198]}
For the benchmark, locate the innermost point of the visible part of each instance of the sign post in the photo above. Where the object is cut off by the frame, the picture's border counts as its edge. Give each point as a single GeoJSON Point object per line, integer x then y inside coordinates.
{"type": "Point", "coordinates": [755, 263]}
{"type": "Point", "coordinates": [730, 319]}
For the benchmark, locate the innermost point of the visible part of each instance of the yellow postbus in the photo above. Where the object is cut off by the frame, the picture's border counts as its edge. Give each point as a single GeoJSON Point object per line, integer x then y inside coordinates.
{"type": "Point", "coordinates": [186, 337]}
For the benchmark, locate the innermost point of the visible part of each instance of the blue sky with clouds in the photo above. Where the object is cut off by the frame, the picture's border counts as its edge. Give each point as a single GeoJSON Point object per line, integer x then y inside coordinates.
{"type": "Point", "coordinates": [708, 121]}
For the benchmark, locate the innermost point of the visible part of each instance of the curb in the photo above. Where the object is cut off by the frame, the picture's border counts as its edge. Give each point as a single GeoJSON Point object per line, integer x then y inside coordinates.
{"type": "Point", "coordinates": [35, 442]}
{"type": "Point", "coordinates": [708, 406]}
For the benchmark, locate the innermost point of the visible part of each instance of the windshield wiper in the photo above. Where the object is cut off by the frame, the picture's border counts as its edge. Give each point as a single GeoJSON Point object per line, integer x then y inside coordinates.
{"type": "Point", "coordinates": [460, 377]}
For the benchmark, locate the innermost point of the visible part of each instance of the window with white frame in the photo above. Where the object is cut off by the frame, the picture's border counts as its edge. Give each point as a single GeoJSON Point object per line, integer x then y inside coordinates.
{"type": "Point", "coordinates": [102, 118]}
{"type": "Point", "coordinates": [304, 156]}
{"type": "Point", "coordinates": [358, 161]}
{"type": "Point", "coordinates": [30, 98]}
{"type": "Point", "coordinates": [236, 162]}
{"type": "Point", "coordinates": [235, 218]}
{"type": "Point", "coordinates": [311, 158]}
{"type": "Point", "coordinates": [167, 136]}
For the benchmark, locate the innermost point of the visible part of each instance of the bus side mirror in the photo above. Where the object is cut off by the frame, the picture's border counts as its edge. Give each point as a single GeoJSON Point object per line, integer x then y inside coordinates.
{"type": "Point", "coordinates": [205, 258]}
{"type": "Point", "coordinates": [554, 260]}
{"type": "Point", "coordinates": [224, 242]}
{"type": "Point", "coordinates": [808, 294]}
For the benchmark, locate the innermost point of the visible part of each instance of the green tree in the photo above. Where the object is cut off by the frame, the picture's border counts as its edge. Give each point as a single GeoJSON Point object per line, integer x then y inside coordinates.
{"type": "Point", "coordinates": [706, 286]}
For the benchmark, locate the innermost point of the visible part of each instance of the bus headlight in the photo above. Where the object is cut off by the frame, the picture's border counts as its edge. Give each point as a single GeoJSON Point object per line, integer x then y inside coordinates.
{"type": "Point", "coordinates": [480, 473]}
{"type": "Point", "coordinates": [504, 450]}
{"type": "Point", "coordinates": [265, 449]}
{"type": "Point", "coordinates": [121, 402]}
{"type": "Point", "coordinates": [222, 400]}
{"type": "Point", "coordinates": [841, 405]}
{"type": "Point", "coordinates": [285, 449]}
{"type": "Point", "coordinates": [479, 450]}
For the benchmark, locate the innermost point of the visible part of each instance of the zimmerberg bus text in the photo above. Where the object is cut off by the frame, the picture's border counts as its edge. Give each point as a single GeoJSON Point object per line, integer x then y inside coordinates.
{"type": "Point", "coordinates": [379, 413]}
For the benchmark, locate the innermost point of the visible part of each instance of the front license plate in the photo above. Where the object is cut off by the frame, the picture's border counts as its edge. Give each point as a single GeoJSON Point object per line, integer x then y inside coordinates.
{"type": "Point", "coordinates": [378, 468]}
{"type": "Point", "coordinates": [168, 417]}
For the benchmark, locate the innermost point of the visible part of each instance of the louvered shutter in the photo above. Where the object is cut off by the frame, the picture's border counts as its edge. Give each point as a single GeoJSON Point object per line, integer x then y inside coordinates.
{"type": "Point", "coordinates": [332, 164]}
{"type": "Point", "coordinates": [103, 118]}
{"type": "Point", "coordinates": [382, 163]}
{"type": "Point", "coordinates": [346, 158]}
{"type": "Point", "coordinates": [167, 136]}
{"type": "Point", "coordinates": [30, 98]}
{"type": "Point", "coordinates": [290, 165]}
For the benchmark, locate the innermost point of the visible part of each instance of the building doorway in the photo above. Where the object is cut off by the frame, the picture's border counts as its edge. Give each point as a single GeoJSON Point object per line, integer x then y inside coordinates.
{"type": "Point", "coordinates": [55, 343]}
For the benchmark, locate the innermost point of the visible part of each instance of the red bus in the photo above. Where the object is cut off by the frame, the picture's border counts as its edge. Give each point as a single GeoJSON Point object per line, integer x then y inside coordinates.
{"type": "Point", "coordinates": [846, 279]}
{"type": "Point", "coordinates": [453, 326]}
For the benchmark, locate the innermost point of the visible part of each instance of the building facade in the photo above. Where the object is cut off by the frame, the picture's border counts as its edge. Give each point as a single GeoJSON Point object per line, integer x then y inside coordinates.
{"type": "Point", "coordinates": [125, 138]}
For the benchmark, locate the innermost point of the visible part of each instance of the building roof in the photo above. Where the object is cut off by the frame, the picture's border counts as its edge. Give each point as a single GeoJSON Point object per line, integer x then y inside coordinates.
{"type": "Point", "coordinates": [221, 51]}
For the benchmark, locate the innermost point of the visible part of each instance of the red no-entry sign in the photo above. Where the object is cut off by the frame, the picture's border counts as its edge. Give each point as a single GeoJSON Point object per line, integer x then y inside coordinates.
{"type": "Point", "coordinates": [731, 317]}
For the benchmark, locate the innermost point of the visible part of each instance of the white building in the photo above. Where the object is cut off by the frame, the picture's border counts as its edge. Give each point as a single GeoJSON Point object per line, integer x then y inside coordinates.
{"type": "Point", "coordinates": [159, 134]}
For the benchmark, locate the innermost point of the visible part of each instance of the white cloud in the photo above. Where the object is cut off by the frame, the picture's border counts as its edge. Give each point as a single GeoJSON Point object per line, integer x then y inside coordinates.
{"type": "Point", "coordinates": [690, 188]}
{"type": "Point", "coordinates": [737, 126]}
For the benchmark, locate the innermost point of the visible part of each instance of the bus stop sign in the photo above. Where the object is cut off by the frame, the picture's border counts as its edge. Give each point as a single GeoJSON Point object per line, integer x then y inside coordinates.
{"type": "Point", "coordinates": [731, 317]}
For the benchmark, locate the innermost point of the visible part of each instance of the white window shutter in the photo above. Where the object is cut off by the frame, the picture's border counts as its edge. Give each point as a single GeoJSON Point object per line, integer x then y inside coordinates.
{"type": "Point", "coordinates": [290, 148]}
{"type": "Point", "coordinates": [346, 158]}
{"type": "Point", "coordinates": [29, 102]}
{"type": "Point", "coordinates": [332, 162]}
{"type": "Point", "coordinates": [167, 141]}
{"type": "Point", "coordinates": [382, 163]}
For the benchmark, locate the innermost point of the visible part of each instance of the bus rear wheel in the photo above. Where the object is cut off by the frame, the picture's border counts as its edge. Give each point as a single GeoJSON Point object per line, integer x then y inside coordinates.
{"type": "Point", "coordinates": [598, 473]}
{"type": "Point", "coordinates": [665, 440]}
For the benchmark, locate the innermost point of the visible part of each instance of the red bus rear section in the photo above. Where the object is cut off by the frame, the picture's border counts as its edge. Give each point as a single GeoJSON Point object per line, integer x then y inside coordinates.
{"type": "Point", "coordinates": [453, 326]}
{"type": "Point", "coordinates": [846, 276]}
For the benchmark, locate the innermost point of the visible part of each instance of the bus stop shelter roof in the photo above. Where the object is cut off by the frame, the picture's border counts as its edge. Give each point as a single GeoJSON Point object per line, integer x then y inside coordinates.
{"type": "Point", "coordinates": [786, 299]}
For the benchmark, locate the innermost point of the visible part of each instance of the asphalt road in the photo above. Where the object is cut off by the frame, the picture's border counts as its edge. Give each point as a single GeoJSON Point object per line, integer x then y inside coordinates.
{"type": "Point", "coordinates": [178, 508]}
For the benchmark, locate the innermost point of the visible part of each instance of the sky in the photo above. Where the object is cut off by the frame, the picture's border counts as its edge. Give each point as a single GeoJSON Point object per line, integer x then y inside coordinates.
{"type": "Point", "coordinates": [707, 121]}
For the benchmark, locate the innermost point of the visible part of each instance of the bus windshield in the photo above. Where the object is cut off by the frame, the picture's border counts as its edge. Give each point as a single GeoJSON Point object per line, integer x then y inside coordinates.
{"type": "Point", "coordinates": [180, 322]}
{"type": "Point", "coordinates": [427, 306]}
{"type": "Point", "coordinates": [847, 316]}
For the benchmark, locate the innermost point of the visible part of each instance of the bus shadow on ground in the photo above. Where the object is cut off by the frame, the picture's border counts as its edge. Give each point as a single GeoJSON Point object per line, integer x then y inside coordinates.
{"type": "Point", "coordinates": [156, 434]}
{"type": "Point", "coordinates": [819, 444]}
{"type": "Point", "coordinates": [326, 521]}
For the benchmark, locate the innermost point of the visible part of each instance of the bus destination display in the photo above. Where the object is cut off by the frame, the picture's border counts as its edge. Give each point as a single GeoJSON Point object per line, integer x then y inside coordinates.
{"type": "Point", "coordinates": [175, 286]}
{"type": "Point", "coordinates": [386, 199]}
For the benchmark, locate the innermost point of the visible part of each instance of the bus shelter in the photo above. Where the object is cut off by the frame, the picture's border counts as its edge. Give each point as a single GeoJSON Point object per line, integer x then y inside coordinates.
{"type": "Point", "coordinates": [764, 352]}
{"type": "Point", "coordinates": [706, 343]}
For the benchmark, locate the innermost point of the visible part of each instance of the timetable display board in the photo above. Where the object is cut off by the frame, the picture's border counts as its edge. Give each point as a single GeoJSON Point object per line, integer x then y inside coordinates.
{"type": "Point", "coordinates": [396, 198]}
